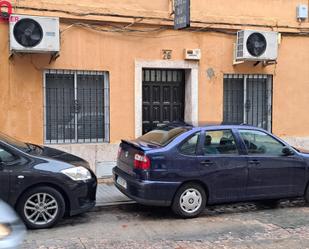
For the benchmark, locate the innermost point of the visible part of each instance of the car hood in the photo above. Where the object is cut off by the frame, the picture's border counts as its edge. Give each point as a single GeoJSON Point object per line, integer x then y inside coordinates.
{"type": "Point", "coordinates": [59, 155]}
{"type": "Point", "coordinates": [304, 153]}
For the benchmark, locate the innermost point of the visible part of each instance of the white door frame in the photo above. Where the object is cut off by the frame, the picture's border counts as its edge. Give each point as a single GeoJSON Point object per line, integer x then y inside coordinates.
{"type": "Point", "coordinates": [191, 88]}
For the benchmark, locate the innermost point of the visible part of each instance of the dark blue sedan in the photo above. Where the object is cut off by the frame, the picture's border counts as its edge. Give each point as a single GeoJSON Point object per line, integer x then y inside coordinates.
{"type": "Point", "coordinates": [188, 167]}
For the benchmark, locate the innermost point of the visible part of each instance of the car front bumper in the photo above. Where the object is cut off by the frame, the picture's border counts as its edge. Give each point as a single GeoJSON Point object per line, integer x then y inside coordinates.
{"type": "Point", "coordinates": [152, 193]}
{"type": "Point", "coordinates": [82, 196]}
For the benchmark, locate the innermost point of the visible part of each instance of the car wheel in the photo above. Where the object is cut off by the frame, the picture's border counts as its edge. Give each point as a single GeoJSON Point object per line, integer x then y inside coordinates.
{"type": "Point", "coordinates": [189, 201]}
{"type": "Point", "coordinates": [41, 207]}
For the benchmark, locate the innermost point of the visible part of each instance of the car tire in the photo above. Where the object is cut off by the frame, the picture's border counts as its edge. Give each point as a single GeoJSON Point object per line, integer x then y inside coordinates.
{"type": "Point", "coordinates": [189, 201]}
{"type": "Point", "coordinates": [41, 207]}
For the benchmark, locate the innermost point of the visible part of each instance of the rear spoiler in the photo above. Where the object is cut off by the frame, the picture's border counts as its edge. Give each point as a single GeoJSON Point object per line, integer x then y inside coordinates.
{"type": "Point", "coordinates": [140, 146]}
{"type": "Point", "coordinates": [132, 143]}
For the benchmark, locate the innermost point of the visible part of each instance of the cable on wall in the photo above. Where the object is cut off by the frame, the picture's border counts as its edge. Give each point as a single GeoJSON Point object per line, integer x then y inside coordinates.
{"type": "Point", "coordinates": [164, 19]}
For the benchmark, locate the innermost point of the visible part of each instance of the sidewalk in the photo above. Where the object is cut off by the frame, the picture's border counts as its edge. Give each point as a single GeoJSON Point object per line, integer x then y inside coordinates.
{"type": "Point", "coordinates": [109, 195]}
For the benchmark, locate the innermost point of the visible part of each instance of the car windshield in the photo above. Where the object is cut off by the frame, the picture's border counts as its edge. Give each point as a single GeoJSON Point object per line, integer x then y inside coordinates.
{"type": "Point", "coordinates": [15, 143]}
{"type": "Point", "coordinates": [162, 137]}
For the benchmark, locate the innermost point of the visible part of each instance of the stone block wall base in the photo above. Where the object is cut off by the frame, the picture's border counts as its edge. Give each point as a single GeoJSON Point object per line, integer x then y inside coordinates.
{"type": "Point", "coordinates": [95, 154]}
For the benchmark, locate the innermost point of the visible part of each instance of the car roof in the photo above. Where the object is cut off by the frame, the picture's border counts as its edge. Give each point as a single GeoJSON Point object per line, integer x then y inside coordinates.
{"type": "Point", "coordinates": [208, 126]}
{"type": "Point", "coordinates": [241, 126]}
{"type": "Point", "coordinates": [220, 127]}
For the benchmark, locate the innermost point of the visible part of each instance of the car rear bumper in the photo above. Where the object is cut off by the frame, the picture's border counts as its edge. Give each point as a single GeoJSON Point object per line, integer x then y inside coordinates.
{"type": "Point", "coordinates": [152, 193]}
{"type": "Point", "coordinates": [83, 197]}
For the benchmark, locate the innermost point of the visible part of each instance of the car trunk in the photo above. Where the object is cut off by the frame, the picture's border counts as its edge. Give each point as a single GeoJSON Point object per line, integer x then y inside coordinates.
{"type": "Point", "coordinates": [140, 146]}
{"type": "Point", "coordinates": [127, 154]}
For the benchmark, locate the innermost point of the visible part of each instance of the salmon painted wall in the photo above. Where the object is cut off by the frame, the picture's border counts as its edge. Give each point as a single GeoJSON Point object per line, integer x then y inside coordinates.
{"type": "Point", "coordinates": [272, 12]}
{"type": "Point", "coordinates": [21, 77]}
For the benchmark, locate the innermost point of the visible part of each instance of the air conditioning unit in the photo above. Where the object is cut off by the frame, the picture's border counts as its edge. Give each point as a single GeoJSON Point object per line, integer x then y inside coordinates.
{"type": "Point", "coordinates": [256, 46]}
{"type": "Point", "coordinates": [193, 54]}
{"type": "Point", "coordinates": [34, 34]}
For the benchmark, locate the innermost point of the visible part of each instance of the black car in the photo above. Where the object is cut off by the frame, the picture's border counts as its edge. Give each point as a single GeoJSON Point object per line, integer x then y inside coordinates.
{"type": "Point", "coordinates": [44, 184]}
{"type": "Point", "coordinates": [188, 167]}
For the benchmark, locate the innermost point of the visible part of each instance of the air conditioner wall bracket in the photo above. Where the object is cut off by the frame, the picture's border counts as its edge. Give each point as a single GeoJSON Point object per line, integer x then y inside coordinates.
{"type": "Point", "coordinates": [53, 57]}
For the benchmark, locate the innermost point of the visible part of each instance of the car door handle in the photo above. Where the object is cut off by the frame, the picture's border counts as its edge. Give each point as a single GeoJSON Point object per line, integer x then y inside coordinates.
{"type": "Point", "coordinates": [207, 163]}
{"type": "Point", "coordinates": [254, 161]}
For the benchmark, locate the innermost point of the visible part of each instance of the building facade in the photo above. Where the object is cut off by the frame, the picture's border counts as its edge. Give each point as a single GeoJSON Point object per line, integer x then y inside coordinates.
{"type": "Point", "coordinates": [121, 70]}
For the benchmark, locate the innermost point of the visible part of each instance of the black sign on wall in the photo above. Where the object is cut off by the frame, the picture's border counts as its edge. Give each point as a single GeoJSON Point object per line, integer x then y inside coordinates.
{"type": "Point", "coordinates": [182, 14]}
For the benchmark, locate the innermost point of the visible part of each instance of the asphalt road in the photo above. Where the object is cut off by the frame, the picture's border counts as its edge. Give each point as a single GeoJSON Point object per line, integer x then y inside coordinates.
{"type": "Point", "coordinates": [248, 225]}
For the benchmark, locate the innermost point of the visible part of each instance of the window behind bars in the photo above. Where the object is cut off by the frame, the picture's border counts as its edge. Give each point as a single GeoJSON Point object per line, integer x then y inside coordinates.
{"type": "Point", "coordinates": [76, 106]}
{"type": "Point", "coordinates": [247, 98]}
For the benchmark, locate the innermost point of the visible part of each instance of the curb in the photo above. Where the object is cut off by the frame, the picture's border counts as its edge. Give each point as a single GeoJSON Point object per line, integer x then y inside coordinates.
{"type": "Point", "coordinates": [108, 180]}
{"type": "Point", "coordinates": [104, 205]}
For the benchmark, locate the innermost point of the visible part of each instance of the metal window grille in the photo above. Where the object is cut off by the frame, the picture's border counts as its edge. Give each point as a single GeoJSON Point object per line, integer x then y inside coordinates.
{"type": "Point", "coordinates": [248, 99]}
{"type": "Point", "coordinates": [76, 106]}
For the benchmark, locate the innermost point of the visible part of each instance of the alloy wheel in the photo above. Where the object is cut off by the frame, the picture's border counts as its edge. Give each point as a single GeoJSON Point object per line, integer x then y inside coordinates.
{"type": "Point", "coordinates": [41, 208]}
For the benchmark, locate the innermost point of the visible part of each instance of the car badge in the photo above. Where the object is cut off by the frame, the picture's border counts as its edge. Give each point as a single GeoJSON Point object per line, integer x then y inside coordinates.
{"type": "Point", "coordinates": [126, 154]}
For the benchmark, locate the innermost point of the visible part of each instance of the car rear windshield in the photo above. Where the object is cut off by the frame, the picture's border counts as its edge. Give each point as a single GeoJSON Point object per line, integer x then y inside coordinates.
{"type": "Point", "coordinates": [162, 137]}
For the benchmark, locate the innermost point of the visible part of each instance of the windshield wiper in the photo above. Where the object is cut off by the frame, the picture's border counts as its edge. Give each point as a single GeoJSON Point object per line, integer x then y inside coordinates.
{"type": "Point", "coordinates": [33, 147]}
{"type": "Point", "coordinates": [30, 148]}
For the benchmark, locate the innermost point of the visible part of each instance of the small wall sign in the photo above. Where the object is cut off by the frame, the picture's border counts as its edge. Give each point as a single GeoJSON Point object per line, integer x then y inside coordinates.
{"type": "Point", "coordinates": [182, 14]}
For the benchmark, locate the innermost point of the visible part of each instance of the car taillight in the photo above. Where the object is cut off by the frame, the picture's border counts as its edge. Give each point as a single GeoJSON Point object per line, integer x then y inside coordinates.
{"type": "Point", "coordinates": [119, 152]}
{"type": "Point", "coordinates": [141, 162]}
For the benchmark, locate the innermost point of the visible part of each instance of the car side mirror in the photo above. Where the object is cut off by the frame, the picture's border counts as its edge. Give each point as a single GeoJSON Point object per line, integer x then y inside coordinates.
{"type": "Point", "coordinates": [287, 152]}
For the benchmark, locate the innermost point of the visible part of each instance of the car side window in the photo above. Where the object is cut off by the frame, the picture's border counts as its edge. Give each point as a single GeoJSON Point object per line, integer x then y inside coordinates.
{"type": "Point", "coordinates": [219, 142]}
{"type": "Point", "coordinates": [258, 142]}
{"type": "Point", "coordinates": [189, 147]}
{"type": "Point", "coordinates": [6, 156]}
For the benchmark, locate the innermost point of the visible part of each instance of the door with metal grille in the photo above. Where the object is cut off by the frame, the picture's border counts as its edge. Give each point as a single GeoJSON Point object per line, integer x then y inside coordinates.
{"type": "Point", "coordinates": [163, 97]}
{"type": "Point", "coordinates": [248, 99]}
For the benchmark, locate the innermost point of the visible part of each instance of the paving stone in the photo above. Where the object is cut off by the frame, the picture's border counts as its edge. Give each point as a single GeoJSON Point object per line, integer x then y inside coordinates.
{"type": "Point", "coordinates": [241, 226]}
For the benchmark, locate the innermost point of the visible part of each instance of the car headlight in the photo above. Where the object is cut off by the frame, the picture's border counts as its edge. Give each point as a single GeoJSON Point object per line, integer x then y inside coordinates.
{"type": "Point", "coordinates": [77, 173]}
{"type": "Point", "coordinates": [5, 231]}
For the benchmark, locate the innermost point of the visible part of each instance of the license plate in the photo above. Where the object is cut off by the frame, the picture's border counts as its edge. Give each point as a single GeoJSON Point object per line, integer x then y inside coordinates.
{"type": "Point", "coordinates": [122, 182]}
